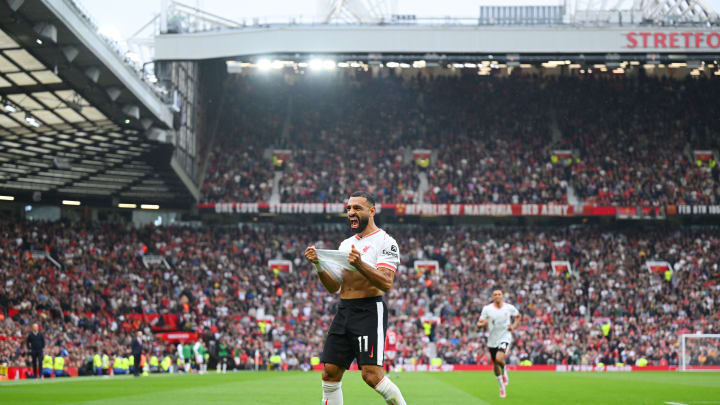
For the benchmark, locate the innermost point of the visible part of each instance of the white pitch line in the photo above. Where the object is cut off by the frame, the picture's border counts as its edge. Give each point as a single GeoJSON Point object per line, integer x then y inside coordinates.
{"type": "Point", "coordinates": [675, 403]}
{"type": "Point", "coordinates": [43, 381]}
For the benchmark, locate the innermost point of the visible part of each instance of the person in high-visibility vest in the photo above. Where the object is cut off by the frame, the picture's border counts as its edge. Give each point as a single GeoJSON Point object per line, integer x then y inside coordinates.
{"type": "Point", "coordinates": [154, 364]}
{"type": "Point", "coordinates": [118, 365]}
{"type": "Point", "coordinates": [275, 361]}
{"type": "Point", "coordinates": [277, 162]}
{"type": "Point", "coordinates": [59, 366]}
{"type": "Point", "coordinates": [605, 329]}
{"type": "Point", "coordinates": [106, 364]}
{"type": "Point", "coordinates": [125, 365]}
{"type": "Point", "coordinates": [47, 366]}
{"type": "Point", "coordinates": [97, 364]}
{"type": "Point", "coordinates": [165, 364]}
{"type": "Point", "coordinates": [668, 275]}
{"type": "Point", "coordinates": [427, 326]}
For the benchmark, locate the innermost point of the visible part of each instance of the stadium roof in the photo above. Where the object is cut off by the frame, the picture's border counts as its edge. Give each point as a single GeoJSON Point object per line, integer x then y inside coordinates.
{"type": "Point", "coordinates": [72, 125]}
{"type": "Point", "coordinates": [587, 31]}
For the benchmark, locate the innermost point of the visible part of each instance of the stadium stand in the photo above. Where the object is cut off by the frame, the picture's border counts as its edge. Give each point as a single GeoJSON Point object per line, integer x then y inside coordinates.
{"type": "Point", "coordinates": [639, 152]}
{"type": "Point", "coordinates": [492, 145]}
{"type": "Point", "coordinates": [217, 284]}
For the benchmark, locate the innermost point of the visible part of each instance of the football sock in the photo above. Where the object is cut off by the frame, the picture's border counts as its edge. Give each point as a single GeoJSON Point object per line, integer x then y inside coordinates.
{"type": "Point", "coordinates": [500, 381]}
{"type": "Point", "coordinates": [390, 392]}
{"type": "Point", "coordinates": [332, 393]}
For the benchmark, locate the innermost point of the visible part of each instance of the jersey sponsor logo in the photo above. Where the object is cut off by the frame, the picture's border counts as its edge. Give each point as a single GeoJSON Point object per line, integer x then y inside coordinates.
{"type": "Point", "coordinates": [389, 253]}
{"type": "Point", "coordinates": [393, 248]}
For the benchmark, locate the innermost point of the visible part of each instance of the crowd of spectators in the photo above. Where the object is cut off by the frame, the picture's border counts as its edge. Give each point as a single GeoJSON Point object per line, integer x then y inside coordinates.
{"type": "Point", "coordinates": [350, 134]}
{"type": "Point", "coordinates": [635, 138]}
{"type": "Point", "coordinates": [217, 281]}
{"type": "Point", "coordinates": [252, 116]}
{"type": "Point", "coordinates": [493, 139]}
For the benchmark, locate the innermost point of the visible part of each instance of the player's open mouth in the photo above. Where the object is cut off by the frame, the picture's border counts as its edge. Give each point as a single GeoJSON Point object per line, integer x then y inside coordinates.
{"type": "Point", "coordinates": [354, 222]}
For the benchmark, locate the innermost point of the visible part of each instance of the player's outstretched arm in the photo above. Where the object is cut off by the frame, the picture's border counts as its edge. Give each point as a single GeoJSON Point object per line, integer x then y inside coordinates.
{"type": "Point", "coordinates": [381, 277]}
{"type": "Point", "coordinates": [515, 323]}
{"type": "Point", "coordinates": [326, 279]}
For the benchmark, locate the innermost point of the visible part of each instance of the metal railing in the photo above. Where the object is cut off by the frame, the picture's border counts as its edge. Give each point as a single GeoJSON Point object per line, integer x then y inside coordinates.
{"type": "Point", "coordinates": [183, 19]}
{"type": "Point", "coordinates": [124, 56]}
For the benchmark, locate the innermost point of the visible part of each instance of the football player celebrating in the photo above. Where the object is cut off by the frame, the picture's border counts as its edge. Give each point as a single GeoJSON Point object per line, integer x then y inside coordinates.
{"type": "Point", "coordinates": [358, 329]}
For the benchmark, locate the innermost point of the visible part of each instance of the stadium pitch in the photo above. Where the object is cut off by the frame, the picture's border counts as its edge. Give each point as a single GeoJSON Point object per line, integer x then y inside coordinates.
{"type": "Point", "coordinates": [264, 388]}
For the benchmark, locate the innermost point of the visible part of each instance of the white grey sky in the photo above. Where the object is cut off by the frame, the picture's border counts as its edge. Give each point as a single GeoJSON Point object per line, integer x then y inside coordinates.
{"type": "Point", "coordinates": [123, 18]}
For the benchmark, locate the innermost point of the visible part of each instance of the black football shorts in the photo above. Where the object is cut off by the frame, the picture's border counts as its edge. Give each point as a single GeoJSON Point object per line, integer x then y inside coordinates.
{"type": "Point", "coordinates": [357, 333]}
{"type": "Point", "coordinates": [502, 347]}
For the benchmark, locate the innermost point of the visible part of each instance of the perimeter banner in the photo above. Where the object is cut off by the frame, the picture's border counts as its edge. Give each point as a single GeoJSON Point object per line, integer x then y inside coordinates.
{"type": "Point", "coordinates": [698, 209]}
{"type": "Point", "coordinates": [476, 210]}
{"type": "Point", "coordinates": [496, 210]}
{"type": "Point", "coordinates": [177, 337]}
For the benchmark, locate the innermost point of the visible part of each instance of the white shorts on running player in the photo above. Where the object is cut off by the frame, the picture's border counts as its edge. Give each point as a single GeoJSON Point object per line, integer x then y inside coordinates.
{"type": "Point", "coordinates": [498, 340]}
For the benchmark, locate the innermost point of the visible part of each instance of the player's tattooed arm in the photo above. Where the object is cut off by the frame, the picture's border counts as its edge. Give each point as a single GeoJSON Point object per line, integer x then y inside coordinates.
{"type": "Point", "coordinates": [380, 277]}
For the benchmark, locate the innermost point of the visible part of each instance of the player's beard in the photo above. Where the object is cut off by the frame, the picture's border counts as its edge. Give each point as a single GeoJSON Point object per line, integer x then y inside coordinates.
{"type": "Point", "coordinates": [362, 224]}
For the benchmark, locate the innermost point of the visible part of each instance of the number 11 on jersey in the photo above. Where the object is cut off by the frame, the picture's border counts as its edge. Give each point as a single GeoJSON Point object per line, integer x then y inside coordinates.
{"type": "Point", "coordinates": [360, 343]}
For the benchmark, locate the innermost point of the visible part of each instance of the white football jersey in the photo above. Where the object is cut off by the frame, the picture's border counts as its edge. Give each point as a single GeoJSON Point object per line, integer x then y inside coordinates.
{"type": "Point", "coordinates": [499, 319]}
{"type": "Point", "coordinates": [377, 249]}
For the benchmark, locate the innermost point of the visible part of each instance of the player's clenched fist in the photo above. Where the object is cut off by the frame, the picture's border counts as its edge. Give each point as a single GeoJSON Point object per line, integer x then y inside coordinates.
{"type": "Point", "coordinates": [354, 257]}
{"type": "Point", "coordinates": [311, 254]}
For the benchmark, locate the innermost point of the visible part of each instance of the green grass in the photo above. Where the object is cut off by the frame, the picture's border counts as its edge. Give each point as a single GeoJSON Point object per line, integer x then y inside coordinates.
{"type": "Point", "coordinates": [465, 388]}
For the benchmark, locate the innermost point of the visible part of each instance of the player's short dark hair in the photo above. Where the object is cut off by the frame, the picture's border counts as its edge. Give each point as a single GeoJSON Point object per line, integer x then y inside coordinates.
{"type": "Point", "coordinates": [497, 287]}
{"type": "Point", "coordinates": [369, 197]}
